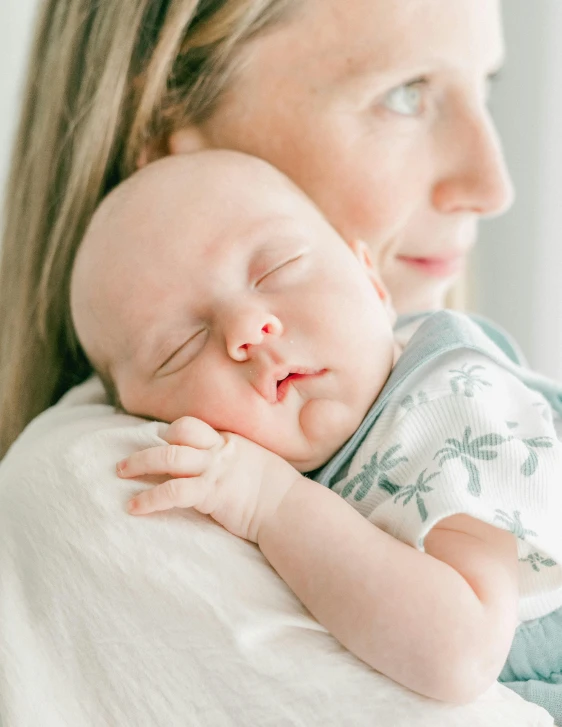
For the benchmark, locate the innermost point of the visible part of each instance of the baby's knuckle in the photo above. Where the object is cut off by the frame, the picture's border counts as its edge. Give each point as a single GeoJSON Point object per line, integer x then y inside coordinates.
{"type": "Point", "coordinates": [171, 456]}
{"type": "Point", "coordinates": [172, 490]}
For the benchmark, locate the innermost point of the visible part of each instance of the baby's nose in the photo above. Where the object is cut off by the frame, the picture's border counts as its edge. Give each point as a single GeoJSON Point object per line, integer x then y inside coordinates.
{"type": "Point", "coordinates": [248, 329]}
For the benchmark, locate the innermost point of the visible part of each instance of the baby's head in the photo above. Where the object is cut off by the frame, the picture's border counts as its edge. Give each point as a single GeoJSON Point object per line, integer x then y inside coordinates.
{"type": "Point", "coordinates": [208, 285]}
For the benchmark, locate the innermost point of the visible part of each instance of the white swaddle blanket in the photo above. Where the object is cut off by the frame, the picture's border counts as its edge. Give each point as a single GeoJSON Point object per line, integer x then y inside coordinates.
{"type": "Point", "coordinates": [107, 619]}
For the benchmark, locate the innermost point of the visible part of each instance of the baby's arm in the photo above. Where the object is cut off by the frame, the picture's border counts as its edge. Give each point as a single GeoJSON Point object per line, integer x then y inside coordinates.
{"type": "Point", "coordinates": [439, 622]}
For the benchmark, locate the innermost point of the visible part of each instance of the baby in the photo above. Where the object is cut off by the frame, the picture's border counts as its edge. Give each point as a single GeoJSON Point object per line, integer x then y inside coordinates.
{"type": "Point", "coordinates": [211, 293]}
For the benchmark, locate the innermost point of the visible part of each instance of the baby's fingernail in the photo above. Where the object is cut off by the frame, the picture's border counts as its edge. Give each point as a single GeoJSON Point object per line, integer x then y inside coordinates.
{"type": "Point", "coordinates": [121, 466]}
{"type": "Point", "coordinates": [132, 505]}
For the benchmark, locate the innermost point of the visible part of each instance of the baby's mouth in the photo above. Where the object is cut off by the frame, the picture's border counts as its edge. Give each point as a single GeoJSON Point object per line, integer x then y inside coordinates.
{"type": "Point", "coordinates": [283, 384]}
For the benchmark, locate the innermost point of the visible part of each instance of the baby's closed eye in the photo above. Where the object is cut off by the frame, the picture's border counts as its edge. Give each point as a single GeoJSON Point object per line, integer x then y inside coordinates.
{"type": "Point", "coordinates": [183, 354]}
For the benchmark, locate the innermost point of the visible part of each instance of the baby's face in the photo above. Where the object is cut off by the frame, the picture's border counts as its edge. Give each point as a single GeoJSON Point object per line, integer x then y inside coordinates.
{"type": "Point", "coordinates": [231, 299]}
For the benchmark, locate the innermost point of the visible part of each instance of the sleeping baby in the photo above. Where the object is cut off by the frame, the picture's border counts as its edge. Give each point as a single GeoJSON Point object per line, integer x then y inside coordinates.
{"type": "Point", "coordinates": [410, 497]}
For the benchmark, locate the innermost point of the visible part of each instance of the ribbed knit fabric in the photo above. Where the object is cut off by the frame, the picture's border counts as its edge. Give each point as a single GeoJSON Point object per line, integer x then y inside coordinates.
{"type": "Point", "coordinates": [534, 665]}
{"type": "Point", "coordinates": [459, 428]}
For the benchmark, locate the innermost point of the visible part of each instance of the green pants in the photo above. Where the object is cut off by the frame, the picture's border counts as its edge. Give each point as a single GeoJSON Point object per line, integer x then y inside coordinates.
{"type": "Point", "coordinates": [534, 666]}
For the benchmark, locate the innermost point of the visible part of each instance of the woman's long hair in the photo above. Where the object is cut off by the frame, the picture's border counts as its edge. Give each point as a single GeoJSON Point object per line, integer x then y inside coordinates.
{"type": "Point", "coordinates": [106, 79]}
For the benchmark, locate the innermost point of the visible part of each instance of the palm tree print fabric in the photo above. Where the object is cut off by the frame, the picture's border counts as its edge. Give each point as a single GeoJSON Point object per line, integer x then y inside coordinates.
{"type": "Point", "coordinates": [464, 435]}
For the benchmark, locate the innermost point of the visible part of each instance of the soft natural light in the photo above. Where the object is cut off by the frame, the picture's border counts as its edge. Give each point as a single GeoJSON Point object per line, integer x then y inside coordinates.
{"type": "Point", "coordinates": [518, 265]}
{"type": "Point", "coordinates": [515, 277]}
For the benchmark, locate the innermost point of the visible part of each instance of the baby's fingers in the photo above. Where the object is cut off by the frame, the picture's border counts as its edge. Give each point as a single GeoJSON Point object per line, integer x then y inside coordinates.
{"type": "Point", "coordinates": [169, 459]}
{"type": "Point", "coordinates": [192, 432]}
{"type": "Point", "coordinates": [174, 493]}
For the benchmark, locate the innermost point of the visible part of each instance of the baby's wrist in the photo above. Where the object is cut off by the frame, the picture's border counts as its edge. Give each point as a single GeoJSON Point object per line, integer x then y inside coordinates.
{"type": "Point", "coordinates": [281, 492]}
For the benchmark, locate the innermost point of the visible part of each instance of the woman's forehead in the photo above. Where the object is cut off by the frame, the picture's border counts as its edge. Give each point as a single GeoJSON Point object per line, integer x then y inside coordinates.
{"type": "Point", "coordinates": [340, 39]}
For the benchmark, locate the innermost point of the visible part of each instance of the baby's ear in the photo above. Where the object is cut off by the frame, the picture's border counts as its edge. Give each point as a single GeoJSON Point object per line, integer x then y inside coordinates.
{"type": "Point", "coordinates": [363, 254]}
{"type": "Point", "coordinates": [183, 141]}
{"type": "Point", "coordinates": [187, 140]}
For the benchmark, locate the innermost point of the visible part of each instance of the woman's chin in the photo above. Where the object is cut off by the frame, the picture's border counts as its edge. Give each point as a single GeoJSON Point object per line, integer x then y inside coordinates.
{"type": "Point", "coordinates": [425, 295]}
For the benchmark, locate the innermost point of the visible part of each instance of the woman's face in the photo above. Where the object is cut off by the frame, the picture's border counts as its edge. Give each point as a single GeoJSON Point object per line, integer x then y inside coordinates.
{"type": "Point", "coordinates": [378, 110]}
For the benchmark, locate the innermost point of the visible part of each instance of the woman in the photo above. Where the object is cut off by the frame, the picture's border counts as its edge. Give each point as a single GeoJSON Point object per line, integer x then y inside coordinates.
{"type": "Point", "coordinates": [377, 110]}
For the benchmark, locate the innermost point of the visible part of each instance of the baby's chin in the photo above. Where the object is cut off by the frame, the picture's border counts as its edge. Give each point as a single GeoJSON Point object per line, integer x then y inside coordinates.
{"type": "Point", "coordinates": [325, 426]}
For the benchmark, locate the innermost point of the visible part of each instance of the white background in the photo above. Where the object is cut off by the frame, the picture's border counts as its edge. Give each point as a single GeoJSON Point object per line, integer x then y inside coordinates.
{"type": "Point", "coordinates": [517, 272]}
{"type": "Point", "coordinates": [517, 275]}
{"type": "Point", "coordinates": [15, 29]}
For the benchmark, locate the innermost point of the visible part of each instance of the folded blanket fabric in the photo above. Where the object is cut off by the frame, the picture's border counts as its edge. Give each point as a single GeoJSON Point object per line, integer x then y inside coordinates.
{"type": "Point", "coordinates": [167, 620]}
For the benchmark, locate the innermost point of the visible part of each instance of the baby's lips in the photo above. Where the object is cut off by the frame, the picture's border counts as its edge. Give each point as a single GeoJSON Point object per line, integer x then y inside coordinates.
{"type": "Point", "coordinates": [295, 376]}
{"type": "Point", "coordinates": [266, 385]}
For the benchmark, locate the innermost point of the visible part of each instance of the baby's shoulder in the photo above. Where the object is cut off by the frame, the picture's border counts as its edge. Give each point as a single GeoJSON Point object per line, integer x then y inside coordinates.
{"type": "Point", "coordinates": [464, 378]}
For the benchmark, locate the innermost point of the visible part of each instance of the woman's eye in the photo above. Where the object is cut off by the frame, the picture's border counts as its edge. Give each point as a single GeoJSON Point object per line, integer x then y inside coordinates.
{"type": "Point", "coordinates": [406, 100]}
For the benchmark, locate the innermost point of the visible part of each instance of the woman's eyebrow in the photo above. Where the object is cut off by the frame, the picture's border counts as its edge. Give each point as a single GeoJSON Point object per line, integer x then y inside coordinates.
{"type": "Point", "coordinates": [354, 72]}
{"type": "Point", "coordinates": [391, 65]}
{"type": "Point", "coordinates": [379, 76]}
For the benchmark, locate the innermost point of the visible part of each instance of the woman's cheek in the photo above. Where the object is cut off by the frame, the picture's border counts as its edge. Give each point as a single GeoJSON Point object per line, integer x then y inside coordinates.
{"type": "Point", "coordinates": [373, 203]}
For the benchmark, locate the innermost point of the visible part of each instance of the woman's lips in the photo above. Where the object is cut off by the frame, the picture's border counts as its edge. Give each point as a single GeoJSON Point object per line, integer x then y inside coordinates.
{"type": "Point", "coordinates": [438, 267]}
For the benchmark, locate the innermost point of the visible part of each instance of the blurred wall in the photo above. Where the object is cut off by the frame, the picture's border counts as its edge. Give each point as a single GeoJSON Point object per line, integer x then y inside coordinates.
{"type": "Point", "coordinates": [15, 26]}
{"type": "Point", "coordinates": [517, 273]}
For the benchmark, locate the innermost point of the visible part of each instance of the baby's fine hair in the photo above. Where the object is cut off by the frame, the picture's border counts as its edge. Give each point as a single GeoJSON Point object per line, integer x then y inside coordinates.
{"type": "Point", "coordinates": [107, 80]}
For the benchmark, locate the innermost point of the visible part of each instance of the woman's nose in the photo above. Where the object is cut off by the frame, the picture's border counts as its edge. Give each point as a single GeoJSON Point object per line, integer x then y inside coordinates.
{"type": "Point", "coordinates": [472, 173]}
{"type": "Point", "coordinates": [248, 327]}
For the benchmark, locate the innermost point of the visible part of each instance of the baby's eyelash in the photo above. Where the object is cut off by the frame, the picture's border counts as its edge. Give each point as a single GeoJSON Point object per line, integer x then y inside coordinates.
{"type": "Point", "coordinates": [177, 351]}
{"type": "Point", "coordinates": [274, 269]}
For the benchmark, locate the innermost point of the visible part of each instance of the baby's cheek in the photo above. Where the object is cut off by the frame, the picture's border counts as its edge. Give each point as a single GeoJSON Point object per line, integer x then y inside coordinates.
{"type": "Point", "coordinates": [224, 410]}
{"type": "Point", "coordinates": [143, 400]}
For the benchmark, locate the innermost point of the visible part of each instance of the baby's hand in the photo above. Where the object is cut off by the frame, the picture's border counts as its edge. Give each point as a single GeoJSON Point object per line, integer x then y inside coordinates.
{"type": "Point", "coordinates": [235, 481]}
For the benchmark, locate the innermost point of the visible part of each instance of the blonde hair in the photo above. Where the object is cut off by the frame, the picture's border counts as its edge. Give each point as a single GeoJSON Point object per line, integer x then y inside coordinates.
{"type": "Point", "coordinates": [106, 78]}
